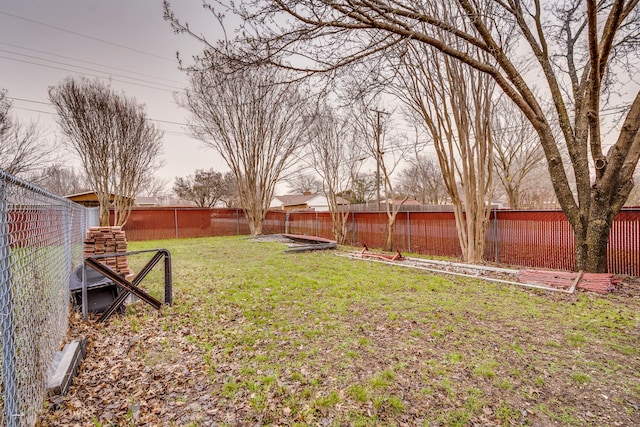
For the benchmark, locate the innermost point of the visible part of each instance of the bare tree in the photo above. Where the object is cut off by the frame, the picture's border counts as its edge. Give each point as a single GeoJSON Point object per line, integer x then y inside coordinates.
{"type": "Point", "coordinates": [422, 180]}
{"type": "Point", "coordinates": [62, 180]}
{"type": "Point", "coordinates": [634, 197]}
{"type": "Point", "coordinates": [517, 153]}
{"type": "Point", "coordinates": [304, 181]}
{"type": "Point", "coordinates": [254, 121]}
{"type": "Point", "coordinates": [362, 190]}
{"type": "Point", "coordinates": [113, 137]}
{"type": "Point", "coordinates": [205, 188]}
{"type": "Point", "coordinates": [539, 192]}
{"type": "Point", "coordinates": [153, 186]}
{"type": "Point", "coordinates": [22, 150]}
{"type": "Point", "coordinates": [582, 49]}
{"type": "Point", "coordinates": [335, 156]}
{"type": "Point", "coordinates": [393, 201]}
{"type": "Point", "coordinates": [230, 198]}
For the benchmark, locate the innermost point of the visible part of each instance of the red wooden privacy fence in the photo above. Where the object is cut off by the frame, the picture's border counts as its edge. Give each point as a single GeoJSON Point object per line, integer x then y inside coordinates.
{"type": "Point", "coordinates": [526, 238]}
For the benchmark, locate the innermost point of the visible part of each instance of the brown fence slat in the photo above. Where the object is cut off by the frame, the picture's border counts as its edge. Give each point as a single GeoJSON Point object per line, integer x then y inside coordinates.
{"type": "Point", "coordinates": [541, 239]}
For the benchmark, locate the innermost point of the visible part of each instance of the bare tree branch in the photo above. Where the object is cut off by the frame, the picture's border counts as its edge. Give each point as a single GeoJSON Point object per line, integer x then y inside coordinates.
{"type": "Point", "coordinates": [22, 150]}
{"type": "Point", "coordinates": [62, 180]}
{"type": "Point", "coordinates": [422, 180]}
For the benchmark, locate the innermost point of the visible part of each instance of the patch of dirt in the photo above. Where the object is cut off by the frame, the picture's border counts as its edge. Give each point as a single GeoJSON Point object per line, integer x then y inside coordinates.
{"type": "Point", "coordinates": [629, 287]}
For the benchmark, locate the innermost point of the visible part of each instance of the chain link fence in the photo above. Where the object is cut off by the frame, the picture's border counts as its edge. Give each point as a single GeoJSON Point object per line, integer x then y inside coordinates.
{"type": "Point", "coordinates": [41, 242]}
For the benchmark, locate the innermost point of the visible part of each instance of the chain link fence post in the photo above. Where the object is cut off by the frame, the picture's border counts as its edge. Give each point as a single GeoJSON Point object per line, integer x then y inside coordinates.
{"type": "Point", "coordinates": [409, 230]}
{"type": "Point", "coordinates": [496, 236]}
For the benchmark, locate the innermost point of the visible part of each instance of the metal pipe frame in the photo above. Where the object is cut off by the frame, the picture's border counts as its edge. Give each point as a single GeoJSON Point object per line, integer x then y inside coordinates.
{"type": "Point", "coordinates": [131, 287]}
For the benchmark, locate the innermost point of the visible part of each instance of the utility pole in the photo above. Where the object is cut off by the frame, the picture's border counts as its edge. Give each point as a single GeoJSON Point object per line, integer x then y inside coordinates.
{"type": "Point", "coordinates": [378, 132]}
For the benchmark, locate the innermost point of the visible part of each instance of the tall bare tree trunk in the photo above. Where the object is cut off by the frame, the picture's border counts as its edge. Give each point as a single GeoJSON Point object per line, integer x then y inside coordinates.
{"type": "Point", "coordinates": [255, 119]}
{"type": "Point", "coordinates": [333, 155]}
{"type": "Point", "coordinates": [103, 201]}
{"type": "Point", "coordinates": [454, 102]}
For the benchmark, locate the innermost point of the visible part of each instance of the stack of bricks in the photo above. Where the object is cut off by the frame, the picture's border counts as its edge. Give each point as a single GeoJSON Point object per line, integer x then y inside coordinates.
{"type": "Point", "coordinates": [107, 240]}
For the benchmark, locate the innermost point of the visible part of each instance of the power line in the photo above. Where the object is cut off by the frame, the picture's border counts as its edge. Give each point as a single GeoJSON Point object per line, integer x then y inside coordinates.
{"type": "Point", "coordinates": [53, 114]}
{"type": "Point", "coordinates": [172, 132]}
{"type": "Point", "coordinates": [87, 74]}
{"type": "Point", "coordinates": [86, 68]}
{"type": "Point", "coordinates": [87, 62]}
{"type": "Point", "coordinates": [35, 111]}
{"type": "Point", "coordinates": [28, 100]}
{"type": "Point", "coordinates": [154, 120]}
{"type": "Point", "coordinates": [170, 122]}
{"type": "Point", "coordinates": [86, 36]}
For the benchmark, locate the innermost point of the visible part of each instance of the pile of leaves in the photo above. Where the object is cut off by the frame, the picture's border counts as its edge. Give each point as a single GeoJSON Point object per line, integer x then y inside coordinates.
{"type": "Point", "coordinates": [134, 375]}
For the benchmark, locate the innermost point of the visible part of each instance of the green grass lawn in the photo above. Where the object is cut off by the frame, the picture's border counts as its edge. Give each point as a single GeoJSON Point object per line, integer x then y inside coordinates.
{"type": "Point", "coordinates": [258, 337]}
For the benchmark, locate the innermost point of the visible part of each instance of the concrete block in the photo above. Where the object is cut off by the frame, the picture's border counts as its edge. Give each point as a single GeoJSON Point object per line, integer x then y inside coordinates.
{"type": "Point", "coordinates": [64, 367]}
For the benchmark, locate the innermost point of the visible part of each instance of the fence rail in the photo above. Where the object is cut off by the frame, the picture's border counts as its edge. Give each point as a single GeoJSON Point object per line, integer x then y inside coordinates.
{"type": "Point", "coordinates": [41, 241]}
{"type": "Point", "coordinates": [526, 238]}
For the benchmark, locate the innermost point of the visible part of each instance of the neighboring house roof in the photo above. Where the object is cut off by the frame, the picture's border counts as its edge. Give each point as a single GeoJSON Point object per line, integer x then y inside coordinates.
{"type": "Point", "coordinates": [147, 201]}
{"type": "Point", "coordinates": [317, 200]}
{"type": "Point", "coordinates": [407, 202]}
{"type": "Point", "coordinates": [87, 196]}
{"type": "Point", "coordinates": [295, 199]}
{"type": "Point", "coordinates": [322, 200]}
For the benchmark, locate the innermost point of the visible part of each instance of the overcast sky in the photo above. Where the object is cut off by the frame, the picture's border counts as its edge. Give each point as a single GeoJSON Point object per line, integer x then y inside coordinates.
{"type": "Point", "coordinates": [124, 42]}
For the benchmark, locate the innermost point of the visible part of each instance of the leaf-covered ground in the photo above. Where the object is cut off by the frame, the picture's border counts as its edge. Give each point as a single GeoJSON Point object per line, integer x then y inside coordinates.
{"type": "Point", "coordinates": [258, 337]}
